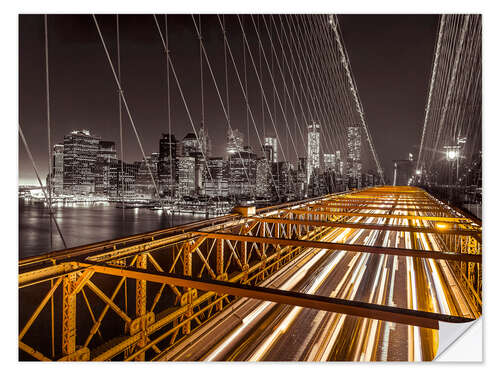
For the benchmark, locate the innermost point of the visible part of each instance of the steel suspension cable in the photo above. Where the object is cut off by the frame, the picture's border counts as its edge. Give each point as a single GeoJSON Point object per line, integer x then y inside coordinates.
{"type": "Point", "coordinates": [125, 104]}
{"type": "Point", "coordinates": [346, 63]}
{"type": "Point", "coordinates": [431, 87]}
{"type": "Point", "coordinates": [41, 185]}
{"type": "Point", "coordinates": [181, 92]}
{"type": "Point", "coordinates": [244, 93]}
{"type": "Point", "coordinates": [226, 112]}
{"type": "Point", "coordinates": [49, 138]}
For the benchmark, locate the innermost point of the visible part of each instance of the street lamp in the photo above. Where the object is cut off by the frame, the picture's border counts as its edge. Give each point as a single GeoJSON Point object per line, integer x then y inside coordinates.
{"type": "Point", "coordinates": [452, 152]}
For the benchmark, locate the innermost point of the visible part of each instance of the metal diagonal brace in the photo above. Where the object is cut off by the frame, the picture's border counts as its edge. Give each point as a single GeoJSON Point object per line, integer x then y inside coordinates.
{"type": "Point", "coordinates": [396, 228]}
{"type": "Point", "coordinates": [342, 306]}
{"type": "Point", "coordinates": [348, 247]}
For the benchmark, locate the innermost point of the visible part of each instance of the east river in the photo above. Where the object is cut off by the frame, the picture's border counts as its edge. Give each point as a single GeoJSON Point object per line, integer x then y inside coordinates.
{"type": "Point", "coordinates": [82, 224]}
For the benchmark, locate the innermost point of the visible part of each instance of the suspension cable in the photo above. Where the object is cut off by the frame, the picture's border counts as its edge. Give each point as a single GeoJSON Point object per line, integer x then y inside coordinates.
{"type": "Point", "coordinates": [125, 104]}
{"type": "Point", "coordinates": [179, 87]}
{"type": "Point", "coordinates": [41, 185]}
{"type": "Point", "coordinates": [345, 61]}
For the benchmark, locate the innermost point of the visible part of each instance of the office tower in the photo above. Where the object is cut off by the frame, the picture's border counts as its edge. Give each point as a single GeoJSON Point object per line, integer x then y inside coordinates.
{"type": "Point", "coordinates": [301, 177]}
{"type": "Point", "coordinates": [79, 162]}
{"type": "Point", "coordinates": [313, 140]}
{"type": "Point", "coordinates": [167, 166]}
{"type": "Point", "coordinates": [263, 176]}
{"type": "Point", "coordinates": [272, 143]}
{"type": "Point", "coordinates": [189, 145]}
{"type": "Point", "coordinates": [338, 163]}
{"type": "Point", "coordinates": [205, 143]}
{"type": "Point", "coordinates": [329, 161]}
{"type": "Point", "coordinates": [282, 176]}
{"type": "Point", "coordinates": [242, 173]}
{"type": "Point", "coordinates": [186, 176]}
{"type": "Point", "coordinates": [106, 155]}
{"type": "Point", "coordinates": [268, 153]}
{"type": "Point", "coordinates": [234, 142]}
{"type": "Point", "coordinates": [199, 167]}
{"type": "Point", "coordinates": [122, 184]}
{"type": "Point", "coordinates": [215, 181]}
{"type": "Point", "coordinates": [354, 152]}
{"type": "Point", "coordinates": [143, 182]}
{"type": "Point", "coordinates": [57, 176]}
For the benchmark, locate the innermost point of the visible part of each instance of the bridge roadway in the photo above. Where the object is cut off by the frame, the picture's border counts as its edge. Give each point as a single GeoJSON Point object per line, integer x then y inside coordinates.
{"type": "Point", "coordinates": [372, 268]}
{"type": "Point", "coordinates": [256, 331]}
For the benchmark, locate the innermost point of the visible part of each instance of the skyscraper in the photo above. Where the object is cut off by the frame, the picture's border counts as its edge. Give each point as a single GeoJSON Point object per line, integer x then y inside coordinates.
{"type": "Point", "coordinates": [79, 159]}
{"type": "Point", "coordinates": [106, 155]}
{"type": "Point", "coordinates": [186, 175]}
{"type": "Point", "coordinates": [189, 145]}
{"type": "Point", "coordinates": [273, 144]}
{"type": "Point", "coordinates": [242, 173]}
{"type": "Point", "coordinates": [57, 183]}
{"type": "Point", "coordinates": [215, 182]}
{"type": "Point", "coordinates": [167, 166]}
{"type": "Point", "coordinates": [329, 161]}
{"type": "Point", "coordinates": [354, 152]}
{"type": "Point", "coordinates": [234, 142]}
{"type": "Point", "coordinates": [263, 178]}
{"type": "Point", "coordinates": [205, 142]}
{"type": "Point", "coordinates": [143, 182]}
{"type": "Point", "coordinates": [313, 140]}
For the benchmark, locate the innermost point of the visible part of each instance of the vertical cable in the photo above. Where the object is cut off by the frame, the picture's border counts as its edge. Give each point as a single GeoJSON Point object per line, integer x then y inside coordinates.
{"type": "Point", "coordinates": [246, 82]}
{"type": "Point", "coordinates": [201, 76]}
{"type": "Point", "coordinates": [49, 141]}
{"type": "Point", "coordinates": [169, 113]}
{"type": "Point", "coordinates": [49, 180]}
{"type": "Point", "coordinates": [120, 110]}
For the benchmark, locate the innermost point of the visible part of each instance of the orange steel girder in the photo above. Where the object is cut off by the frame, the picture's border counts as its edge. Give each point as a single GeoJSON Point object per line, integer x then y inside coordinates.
{"type": "Point", "coordinates": [385, 216]}
{"type": "Point", "coordinates": [362, 309]}
{"type": "Point", "coordinates": [346, 247]}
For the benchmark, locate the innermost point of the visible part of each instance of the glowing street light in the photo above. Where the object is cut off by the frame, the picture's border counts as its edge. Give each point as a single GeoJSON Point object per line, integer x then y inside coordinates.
{"type": "Point", "coordinates": [441, 226]}
{"type": "Point", "coordinates": [419, 172]}
{"type": "Point", "coordinates": [452, 152]}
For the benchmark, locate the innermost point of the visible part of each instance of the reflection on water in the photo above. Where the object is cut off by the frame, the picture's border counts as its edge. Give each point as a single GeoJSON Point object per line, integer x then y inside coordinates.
{"type": "Point", "coordinates": [86, 223]}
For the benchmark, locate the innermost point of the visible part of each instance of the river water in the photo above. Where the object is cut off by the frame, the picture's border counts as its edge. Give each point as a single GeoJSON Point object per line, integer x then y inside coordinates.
{"type": "Point", "coordinates": [86, 223]}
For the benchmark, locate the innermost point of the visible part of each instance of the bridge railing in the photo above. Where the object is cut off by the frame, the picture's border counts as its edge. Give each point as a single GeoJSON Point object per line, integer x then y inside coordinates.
{"type": "Point", "coordinates": [134, 298]}
{"type": "Point", "coordinates": [84, 314]}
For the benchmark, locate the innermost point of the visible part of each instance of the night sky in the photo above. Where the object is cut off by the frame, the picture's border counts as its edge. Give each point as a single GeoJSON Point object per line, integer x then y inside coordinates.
{"type": "Point", "coordinates": [391, 57]}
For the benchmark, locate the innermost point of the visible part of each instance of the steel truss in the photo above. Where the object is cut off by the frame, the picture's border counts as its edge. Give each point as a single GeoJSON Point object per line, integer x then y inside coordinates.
{"type": "Point", "coordinates": [160, 286]}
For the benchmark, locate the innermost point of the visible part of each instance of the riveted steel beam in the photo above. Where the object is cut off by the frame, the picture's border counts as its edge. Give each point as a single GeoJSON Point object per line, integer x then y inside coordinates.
{"type": "Point", "coordinates": [385, 216]}
{"type": "Point", "coordinates": [342, 306]}
{"type": "Point", "coordinates": [397, 228]}
{"type": "Point", "coordinates": [348, 247]}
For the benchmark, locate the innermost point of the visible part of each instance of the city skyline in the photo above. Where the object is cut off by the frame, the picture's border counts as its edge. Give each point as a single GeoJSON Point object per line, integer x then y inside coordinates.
{"type": "Point", "coordinates": [216, 190]}
{"type": "Point", "coordinates": [87, 57]}
{"type": "Point", "coordinates": [84, 164]}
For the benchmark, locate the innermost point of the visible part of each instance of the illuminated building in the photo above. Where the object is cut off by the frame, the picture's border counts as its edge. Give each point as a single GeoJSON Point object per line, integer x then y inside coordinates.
{"type": "Point", "coordinates": [186, 176]}
{"type": "Point", "coordinates": [271, 143]}
{"type": "Point", "coordinates": [189, 145]}
{"type": "Point", "coordinates": [354, 153]}
{"type": "Point", "coordinates": [79, 162]}
{"type": "Point", "coordinates": [167, 166]}
{"type": "Point", "coordinates": [329, 161]}
{"type": "Point", "coordinates": [313, 140]}
{"type": "Point", "coordinates": [57, 182]}
{"type": "Point", "coordinates": [143, 182]}
{"type": "Point", "coordinates": [106, 155]}
{"type": "Point", "coordinates": [263, 188]}
{"type": "Point", "coordinates": [215, 182]}
{"type": "Point", "coordinates": [205, 143]}
{"type": "Point", "coordinates": [242, 173]}
{"type": "Point", "coordinates": [234, 142]}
